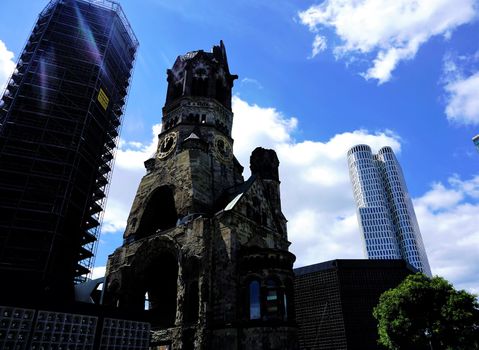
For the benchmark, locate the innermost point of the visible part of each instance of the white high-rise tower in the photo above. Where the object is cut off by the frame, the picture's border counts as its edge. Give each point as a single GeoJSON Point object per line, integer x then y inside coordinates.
{"type": "Point", "coordinates": [385, 212]}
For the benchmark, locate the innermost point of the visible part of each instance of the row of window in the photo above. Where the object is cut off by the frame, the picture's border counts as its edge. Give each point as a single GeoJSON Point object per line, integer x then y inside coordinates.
{"type": "Point", "coordinates": [269, 301]}
{"type": "Point", "coordinates": [371, 216]}
{"type": "Point", "coordinates": [381, 242]}
{"type": "Point", "coordinates": [376, 225]}
{"type": "Point", "coordinates": [384, 253]}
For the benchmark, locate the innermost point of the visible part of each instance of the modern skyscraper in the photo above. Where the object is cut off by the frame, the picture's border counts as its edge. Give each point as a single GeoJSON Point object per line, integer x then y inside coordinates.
{"type": "Point", "coordinates": [59, 122]}
{"type": "Point", "coordinates": [475, 139]}
{"type": "Point", "coordinates": [385, 212]}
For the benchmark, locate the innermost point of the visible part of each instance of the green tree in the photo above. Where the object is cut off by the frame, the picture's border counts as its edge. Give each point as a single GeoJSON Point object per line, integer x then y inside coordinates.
{"type": "Point", "coordinates": [427, 313]}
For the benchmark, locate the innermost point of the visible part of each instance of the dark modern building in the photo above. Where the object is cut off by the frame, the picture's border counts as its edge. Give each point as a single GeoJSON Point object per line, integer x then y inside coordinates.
{"type": "Point", "coordinates": [475, 140]}
{"type": "Point", "coordinates": [335, 300]}
{"type": "Point", "coordinates": [59, 122]}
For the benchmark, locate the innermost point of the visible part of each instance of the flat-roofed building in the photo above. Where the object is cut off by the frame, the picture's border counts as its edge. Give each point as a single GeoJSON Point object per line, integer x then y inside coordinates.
{"type": "Point", "coordinates": [335, 299]}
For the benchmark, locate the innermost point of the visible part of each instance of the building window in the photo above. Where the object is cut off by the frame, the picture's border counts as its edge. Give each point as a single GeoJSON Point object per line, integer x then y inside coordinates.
{"type": "Point", "coordinates": [288, 305]}
{"type": "Point", "coordinates": [147, 302]}
{"type": "Point", "coordinates": [113, 295]}
{"type": "Point", "coordinates": [159, 214]}
{"type": "Point", "coordinates": [272, 304]}
{"type": "Point", "coordinates": [220, 91]}
{"type": "Point", "coordinates": [199, 87]}
{"type": "Point", "coordinates": [161, 281]}
{"type": "Point", "coordinates": [254, 301]}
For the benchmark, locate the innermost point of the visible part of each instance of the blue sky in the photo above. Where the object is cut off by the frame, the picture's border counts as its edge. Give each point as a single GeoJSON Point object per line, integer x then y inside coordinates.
{"type": "Point", "coordinates": [315, 78]}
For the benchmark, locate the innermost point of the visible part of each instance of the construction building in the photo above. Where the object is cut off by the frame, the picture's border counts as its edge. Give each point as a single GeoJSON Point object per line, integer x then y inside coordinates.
{"type": "Point", "coordinates": [59, 122]}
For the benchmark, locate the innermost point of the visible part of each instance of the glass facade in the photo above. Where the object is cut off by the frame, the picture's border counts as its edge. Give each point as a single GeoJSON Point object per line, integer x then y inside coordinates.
{"type": "Point", "coordinates": [475, 139]}
{"type": "Point", "coordinates": [59, 122]}
{"type": "Point", "coordinates": [385, 212]}
{"type": "Point", "coordinates": [254, 301]}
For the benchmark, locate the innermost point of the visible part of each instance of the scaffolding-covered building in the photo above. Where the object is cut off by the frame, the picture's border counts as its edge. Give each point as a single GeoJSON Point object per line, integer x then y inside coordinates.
{"type": "Point", "coordinates": [59, 122]}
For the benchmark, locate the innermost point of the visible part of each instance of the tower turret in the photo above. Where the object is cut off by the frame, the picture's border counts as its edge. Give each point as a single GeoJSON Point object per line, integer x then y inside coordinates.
{"type": "Point", "coordinates": [264, 164]}
{"type": "Point", "coordinates": [204, 77]}
{"type": "Point", "coordinates": [194, 162]}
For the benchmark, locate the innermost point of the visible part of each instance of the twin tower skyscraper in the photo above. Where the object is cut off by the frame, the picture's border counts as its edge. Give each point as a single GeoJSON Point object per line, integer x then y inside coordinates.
{"type": "Point", "coordinates": [385, 212]}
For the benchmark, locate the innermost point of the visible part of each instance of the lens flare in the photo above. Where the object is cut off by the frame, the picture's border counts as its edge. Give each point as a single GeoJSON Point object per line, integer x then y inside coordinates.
{"type": "Point", "coordinates": [87, 35]}
{"type": "Point", "coordinates": [47, 74]}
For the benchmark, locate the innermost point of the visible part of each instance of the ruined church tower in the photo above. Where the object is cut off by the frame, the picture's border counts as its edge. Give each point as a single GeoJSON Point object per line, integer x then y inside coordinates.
{"type": "Point", "coordinates": [205, 253]}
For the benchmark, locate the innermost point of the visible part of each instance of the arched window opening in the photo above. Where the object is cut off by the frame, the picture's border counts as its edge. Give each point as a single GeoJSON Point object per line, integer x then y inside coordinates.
{"type": "Point", "coordinates": [220, 91]}
{"type": "Point", "coordinates": [161, 280]}
{"type": "Point", "coordinates": [254, 301]}
{"type": "Point", "coordinates": [175, 87]}
{"type": "Point", "coordinates": [160, 213]}
{"type": "Point", "coordinates": [112, 295]}
{"type": "Point", "coordinates": [273, 300]}
{"type": "Point", "coordinates": [199, 87]}
{"type": "Point", "coordinates": [177, 91]}
{"type": "Point", "coordinates": [134, 222]}
{"type": "Point", "coordinates": [191, 304]}
{"type": "Point", "coordinates": [227, 102]}
{"type": "Point", "coordinates": [96, 294]}
{"type": "Point", "coordinates": [147, 302]}
{"type": "Point", "coordinates": [256, 210]}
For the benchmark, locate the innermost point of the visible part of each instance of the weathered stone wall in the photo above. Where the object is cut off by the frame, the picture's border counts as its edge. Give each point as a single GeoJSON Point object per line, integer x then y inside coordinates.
{"type": "Point", "coordinates": [197, 234]}
{"type": "Point", "coordinates": [127, 268]}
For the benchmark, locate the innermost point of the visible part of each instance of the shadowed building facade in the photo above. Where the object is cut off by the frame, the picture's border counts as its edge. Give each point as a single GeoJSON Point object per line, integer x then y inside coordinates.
{"type": "Point", "coordinates": [205, 252]}
{"type": "Point", "coordinates": [335, 300]}
{"type": "Point", "coordinates": [59, 122]}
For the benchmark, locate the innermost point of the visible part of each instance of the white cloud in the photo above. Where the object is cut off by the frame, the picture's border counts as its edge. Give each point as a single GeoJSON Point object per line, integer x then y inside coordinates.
{"type": "Point", "coordinates": [319, 45]}
{"type": "Point", "coordinates": [7, 65]}
{"type": "Point", "coordinates": [254, 125]}
{"type": "Point", "coordinates": [440, 197]}
{"type": "Point", "coordinates": [252, 82]}
{"type": "Point", "coordinates": [460, 78]}
{"type": "Point", "coordinates": [447, 216]}
{"type": "Point", "coordinates": [132, 154]}
{"type": "Point", "coordinates": [463, 101]}
{"type": "Point", "coordinates": [97, 272]}
{"type": "Point", "coordinates": [126, 177]}
{"type": "Point", "coordinates": [393, 31]}
{"type": "Point", "coordinates": [317, 196]}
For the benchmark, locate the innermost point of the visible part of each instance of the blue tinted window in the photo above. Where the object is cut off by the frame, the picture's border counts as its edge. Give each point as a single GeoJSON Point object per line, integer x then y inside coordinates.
{"type": "Point", "coordinates": [254, 301]}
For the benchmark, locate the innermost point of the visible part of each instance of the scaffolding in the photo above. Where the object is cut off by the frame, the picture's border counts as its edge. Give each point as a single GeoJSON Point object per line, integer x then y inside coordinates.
{"type": "Point", "coordinates": [60, 118]}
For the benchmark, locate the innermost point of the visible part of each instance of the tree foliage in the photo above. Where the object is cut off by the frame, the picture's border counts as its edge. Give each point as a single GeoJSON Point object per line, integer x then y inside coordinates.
{"type": "Point", "coordinates": [427, 313]}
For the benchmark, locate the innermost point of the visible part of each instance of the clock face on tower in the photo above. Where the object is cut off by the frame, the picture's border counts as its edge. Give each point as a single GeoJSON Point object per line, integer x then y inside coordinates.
{"type": "Point", "coordinates": [223, 149]}
{"type": "Point", "coordinates": [167, 145]}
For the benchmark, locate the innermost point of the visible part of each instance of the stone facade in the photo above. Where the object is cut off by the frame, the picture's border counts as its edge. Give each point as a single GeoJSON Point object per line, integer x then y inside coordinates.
{"type": "Point", "coordinates": [205, 252]}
